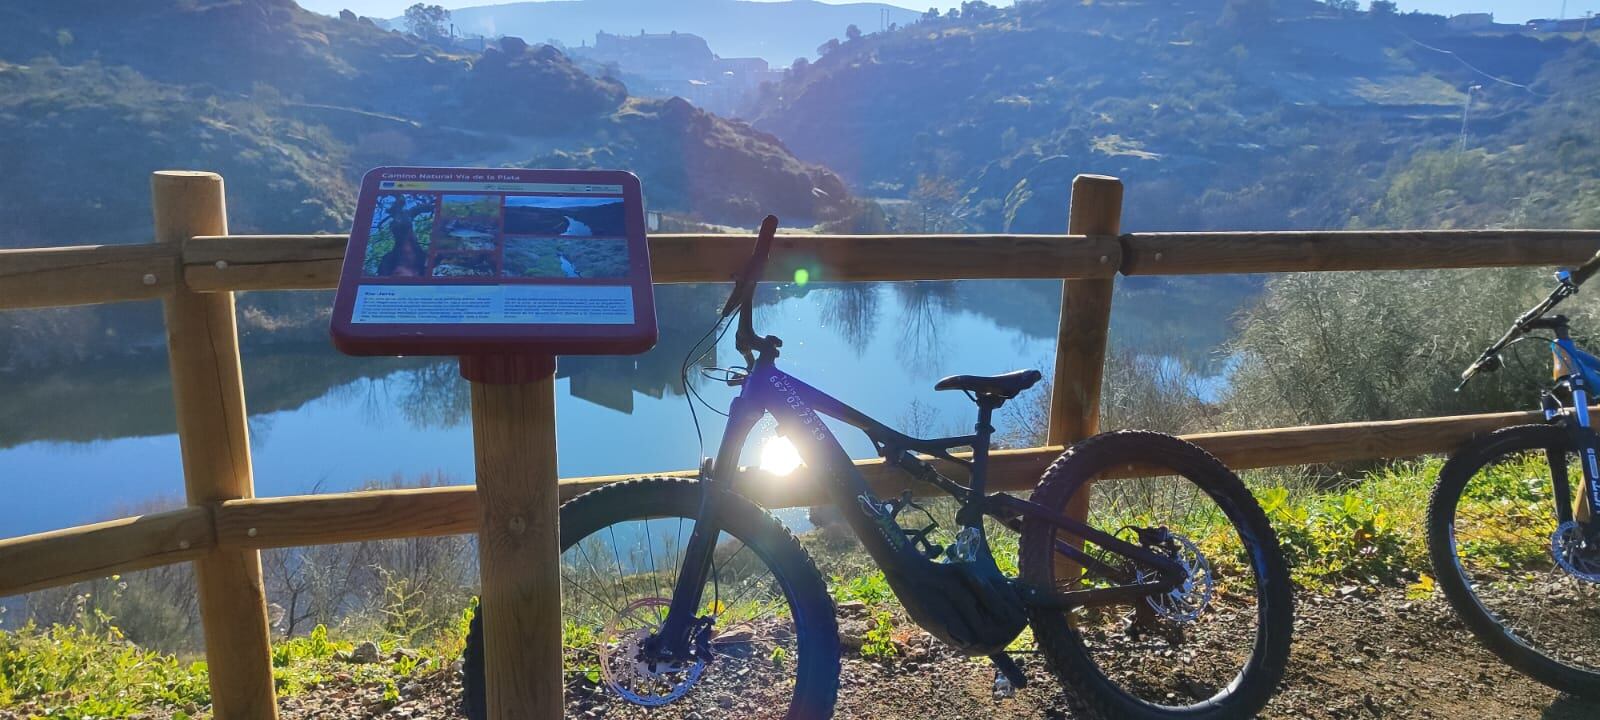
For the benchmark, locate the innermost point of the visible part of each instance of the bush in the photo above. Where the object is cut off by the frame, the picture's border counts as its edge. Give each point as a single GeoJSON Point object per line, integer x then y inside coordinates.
{"type": "Point", "coordinates": [1338, 347]}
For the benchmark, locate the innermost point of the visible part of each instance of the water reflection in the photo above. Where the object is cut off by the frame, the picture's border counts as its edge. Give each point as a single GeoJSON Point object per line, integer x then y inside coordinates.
{"type": "Point", "coordinates": [320, 419]}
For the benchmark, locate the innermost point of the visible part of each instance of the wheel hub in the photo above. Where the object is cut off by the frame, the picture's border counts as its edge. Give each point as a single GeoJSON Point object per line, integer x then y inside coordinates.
{"type": "Point", "coordinates": [1575, 554]}
{"type": "Point", "coordinates": [1193, 594]}
{"type": "Point", "coordinates": [630, 670]}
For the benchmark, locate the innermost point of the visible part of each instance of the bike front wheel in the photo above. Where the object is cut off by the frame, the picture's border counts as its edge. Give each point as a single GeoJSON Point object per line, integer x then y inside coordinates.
{"type": "Point", "coordinates": [1526, 586]}
{"type": "Point", "coordinates": [1211, 648]}
{"type": "Point", "coordinates": [766, 620]}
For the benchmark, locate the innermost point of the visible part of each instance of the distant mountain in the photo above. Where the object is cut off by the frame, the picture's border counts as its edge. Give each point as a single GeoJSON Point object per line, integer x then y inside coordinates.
{"type": "Point", "coordinates": [776, 31]}
{"type": "Point", "coordinates": [1218, 113]}
{"type": "Point", "coordinates": [292, 108]}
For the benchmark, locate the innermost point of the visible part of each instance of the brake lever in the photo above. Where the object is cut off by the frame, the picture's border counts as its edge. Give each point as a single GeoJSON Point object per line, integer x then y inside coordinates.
{"type": "Point", "coordinates": [1485, 362]}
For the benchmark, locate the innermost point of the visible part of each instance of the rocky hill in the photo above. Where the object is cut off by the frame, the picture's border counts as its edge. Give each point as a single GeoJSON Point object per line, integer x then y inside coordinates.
{"type": "Point", "coordinates": [1218, 113]}
{"type": "Point", "coordinates": [777, 31]}
{"type": "Point", "coordinates": [293, 107]}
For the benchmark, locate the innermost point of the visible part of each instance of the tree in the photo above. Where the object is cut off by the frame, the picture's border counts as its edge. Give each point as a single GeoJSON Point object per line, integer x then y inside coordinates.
{"type": "Point", "coordinates": [852, 33]}
{"type": "Point", "coordinates": [931, 14]}
{"type": "Point", "coordinates": [429, 22]}
{"type": "Point", "coordinates": [978, 10]}
{"type": "Point", "coordinates": [831, 45]}
{"type": "Point", "coordinates": [1384, 8]}
{"type": "Point", "coordinates": [1247, 14]}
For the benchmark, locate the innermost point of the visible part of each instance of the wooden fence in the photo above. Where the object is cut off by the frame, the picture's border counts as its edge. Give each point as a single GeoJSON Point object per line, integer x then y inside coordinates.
{"type": "Point", "coordinates": [194, 266]}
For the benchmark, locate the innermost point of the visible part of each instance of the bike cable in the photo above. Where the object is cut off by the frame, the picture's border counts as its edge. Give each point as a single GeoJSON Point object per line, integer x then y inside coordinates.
{"type": "Point", "coordinates": [690, 394]}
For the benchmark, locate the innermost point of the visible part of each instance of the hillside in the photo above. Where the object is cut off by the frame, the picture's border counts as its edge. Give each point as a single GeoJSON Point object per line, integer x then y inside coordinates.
{"type": "Point", "coordinates": [734, 28]}
{"type": "Point", "coordinates": [299, 105]}
{"type": "Point", "coordinates": [292, 108]}
{"type": "Point", "coordinates": [1287, 115]}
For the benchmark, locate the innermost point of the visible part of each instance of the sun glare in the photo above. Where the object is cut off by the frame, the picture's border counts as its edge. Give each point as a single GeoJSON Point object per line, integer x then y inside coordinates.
{"type": "Point", "coordinates": [779, 456]}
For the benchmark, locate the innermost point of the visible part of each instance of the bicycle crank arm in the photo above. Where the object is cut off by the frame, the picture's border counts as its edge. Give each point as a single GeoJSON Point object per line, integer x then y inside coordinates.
{"type": "Point", "coordinates": [1067, 600]}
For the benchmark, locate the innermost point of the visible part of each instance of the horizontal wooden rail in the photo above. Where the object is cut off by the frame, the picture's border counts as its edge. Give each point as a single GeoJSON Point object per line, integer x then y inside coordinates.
{"type": "Point", "coordinates": [35, 562]}
{"type": "Point", "coordinates": [350, 517]}
{"type": "Point", "coordinates": [44, 277]}
{"type": "Point", "coordinates": [279, 262]}
{"type": "Point", "coordinates": [1204, 253]}
{"type": "Point", "coordinates": [49, 559]}
{"type": "Point", "coordinates": [86, 275]}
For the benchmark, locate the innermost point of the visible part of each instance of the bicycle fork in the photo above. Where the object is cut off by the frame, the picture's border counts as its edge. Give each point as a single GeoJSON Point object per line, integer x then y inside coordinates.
{"type": "Point", "coordinates": [675, 639]}
{"type": "Point", "coordinates": [1587, 446]}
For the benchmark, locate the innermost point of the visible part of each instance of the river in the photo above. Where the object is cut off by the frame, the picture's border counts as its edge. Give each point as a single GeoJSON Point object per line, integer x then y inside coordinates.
{"type": "Point", "coordinates": [90, 443]}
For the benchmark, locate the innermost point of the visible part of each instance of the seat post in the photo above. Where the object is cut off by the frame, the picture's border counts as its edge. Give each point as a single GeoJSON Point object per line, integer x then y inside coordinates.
{"type": "Point", "coordinates": [980, 446]}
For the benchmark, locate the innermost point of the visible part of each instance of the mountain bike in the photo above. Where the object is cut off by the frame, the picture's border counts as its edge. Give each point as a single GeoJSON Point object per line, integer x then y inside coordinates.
{"type": "Point", "coordinates": [683, 597]}
{"type": "Point", "coordinates": [1513, 544]}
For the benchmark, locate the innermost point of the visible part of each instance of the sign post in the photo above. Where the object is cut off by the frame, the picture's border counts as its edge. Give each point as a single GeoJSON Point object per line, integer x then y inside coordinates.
{"type": "Point", "coordinates": [514, 440]}
{"type": "Point", "coordinates": [505, 269]}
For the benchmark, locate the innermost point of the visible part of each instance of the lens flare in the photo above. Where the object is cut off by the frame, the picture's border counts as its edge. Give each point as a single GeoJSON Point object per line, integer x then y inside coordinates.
{"type": "Point", "coordinates": [779, 456]}
{"type": "Point", "coordinates": [802, 276]}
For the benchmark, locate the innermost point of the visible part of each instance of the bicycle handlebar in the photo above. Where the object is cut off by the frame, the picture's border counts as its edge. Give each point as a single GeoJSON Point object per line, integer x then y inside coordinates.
{"type": "Point", "coordinates": [1489, 359]}
{"type": "Point", "coordinates": [1586, 270]}
{"type": "Point", "coordinates": [745, 339]}
{"type": "Point", "coordinates": [745, 282]}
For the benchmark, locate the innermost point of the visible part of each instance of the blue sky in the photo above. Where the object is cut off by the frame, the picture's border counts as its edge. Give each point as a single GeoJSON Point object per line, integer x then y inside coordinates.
{"type": "Point", "coordinates": [1504, 10]}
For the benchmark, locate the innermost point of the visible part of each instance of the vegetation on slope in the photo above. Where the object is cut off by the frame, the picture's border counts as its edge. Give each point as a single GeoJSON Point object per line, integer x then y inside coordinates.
{"type": "Point", "coordinates": [1283, 117]}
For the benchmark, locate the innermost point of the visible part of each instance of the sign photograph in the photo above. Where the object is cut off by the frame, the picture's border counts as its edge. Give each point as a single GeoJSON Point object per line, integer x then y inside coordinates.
{"type": "Point", "coordinates": [472, 261]}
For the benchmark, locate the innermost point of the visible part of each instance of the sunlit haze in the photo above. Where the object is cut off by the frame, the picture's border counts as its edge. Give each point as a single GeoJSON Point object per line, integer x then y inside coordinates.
{"type": "Point", "coordinates": [1510, 11]}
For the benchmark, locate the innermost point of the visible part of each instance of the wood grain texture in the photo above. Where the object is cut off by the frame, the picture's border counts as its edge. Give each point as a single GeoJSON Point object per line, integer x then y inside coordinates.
{"type": "Point", "coordinates": [208, 395]}
{"type": "Point", "coordinates": [60, 557]}
{"type": "Point", "coordinates": [85, 275]}
{"type": "Point", "coordinates": [519, 547]}
{"type": "Point", "coordinates": [1085, 318]}
{"type": "Point", "coordinates": [264, 262]}
{"type": "Point", "coordinates": [309, 262]}
{"type": "Point", "coordinates": [302, 520]}
{"type": "Point", "coordinates": [1205, 253]}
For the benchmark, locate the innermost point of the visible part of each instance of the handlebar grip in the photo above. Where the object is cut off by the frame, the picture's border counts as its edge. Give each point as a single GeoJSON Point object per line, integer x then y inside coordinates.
{"type": "Point", "coordinates": [753, 268]}
{"type": "Point", "coordinates": [1586, 270]}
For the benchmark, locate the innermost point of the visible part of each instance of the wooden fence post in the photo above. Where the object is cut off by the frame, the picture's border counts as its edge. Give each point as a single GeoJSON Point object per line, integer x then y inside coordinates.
{"type": "Point", "coordinates": [208, 394]}
{"type": "Point", "coordinates": [519, 545]}
{"type": "Point", "coordinates": [1081, 344]}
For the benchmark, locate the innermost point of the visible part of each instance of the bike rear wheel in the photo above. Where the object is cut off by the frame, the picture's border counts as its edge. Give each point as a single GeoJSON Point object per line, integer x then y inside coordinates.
{"type": "Point", "coordinates": [772, 635]}
{"type": "Point", "coordinates": [1211, 649]}
{"type": "Point", "coordinates": [1492, 534]}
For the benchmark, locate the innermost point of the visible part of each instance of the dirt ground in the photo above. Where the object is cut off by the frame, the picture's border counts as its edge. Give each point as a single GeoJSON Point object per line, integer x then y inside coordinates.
{"type": "Point", "coordinates": [1362, 656]}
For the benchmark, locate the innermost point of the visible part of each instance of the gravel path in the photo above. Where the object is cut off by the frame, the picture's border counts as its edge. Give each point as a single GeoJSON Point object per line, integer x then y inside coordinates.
{"type": "Point", "coordinates": [1362, 656]}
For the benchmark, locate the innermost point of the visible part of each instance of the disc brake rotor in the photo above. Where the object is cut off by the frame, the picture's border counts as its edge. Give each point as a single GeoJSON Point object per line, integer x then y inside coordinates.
{"type": "Point", "coordinates": [628, 671]}
{"type": "Point", "coordinates": [1575, 554]}
{"type": "Point", "coordinates": [1185, 602]}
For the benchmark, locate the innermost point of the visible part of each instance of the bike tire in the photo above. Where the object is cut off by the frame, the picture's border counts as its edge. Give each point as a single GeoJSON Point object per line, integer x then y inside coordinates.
{"type": "Point", "coordinates": [817, 677]}
{"type": "Point", "coordinates": [1089, 690]}
{"type": "Point", "coordinates": [1458, 470]}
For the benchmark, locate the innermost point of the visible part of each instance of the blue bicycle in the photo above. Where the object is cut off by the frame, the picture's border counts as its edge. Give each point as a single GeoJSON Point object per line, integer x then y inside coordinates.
{"type": "Point", "coordinates": [683, 598]}
{"type": "Point", "coordinates": [1511, 534]}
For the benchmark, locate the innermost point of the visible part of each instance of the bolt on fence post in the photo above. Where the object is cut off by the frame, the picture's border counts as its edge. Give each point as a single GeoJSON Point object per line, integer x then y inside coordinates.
{"type": "Point", "coordinates": [1096, 209]}
{"type": "Point", "coordinates": [208, 395]}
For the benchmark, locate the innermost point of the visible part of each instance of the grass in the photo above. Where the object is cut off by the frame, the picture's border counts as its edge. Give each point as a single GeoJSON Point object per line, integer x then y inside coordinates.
{"type": "Point", "coordinates": [1367, 532]}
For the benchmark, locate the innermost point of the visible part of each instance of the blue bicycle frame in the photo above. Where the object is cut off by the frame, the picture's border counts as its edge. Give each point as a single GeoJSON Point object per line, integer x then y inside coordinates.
{"type": "Point", "coordinates": [1582, 372]}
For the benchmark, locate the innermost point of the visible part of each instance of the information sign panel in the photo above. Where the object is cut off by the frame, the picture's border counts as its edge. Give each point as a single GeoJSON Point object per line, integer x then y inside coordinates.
{"type": "Point", "coordinates": [496, 262]}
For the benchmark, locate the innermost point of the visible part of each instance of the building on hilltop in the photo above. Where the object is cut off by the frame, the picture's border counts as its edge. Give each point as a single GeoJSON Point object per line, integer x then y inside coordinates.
{"type": "Point", "coordinates": [1471, 21]}
{"type": "Point", "coordinates": [1551, 25]}
{"type": "Point", "coordinates": [679, 64]}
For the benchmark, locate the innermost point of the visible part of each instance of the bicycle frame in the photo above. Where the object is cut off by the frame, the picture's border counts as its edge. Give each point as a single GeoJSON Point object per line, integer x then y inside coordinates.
{"type": "Point", "coordinates": [799, 409]}
{"type": "Point", "coordinates": [1583, 374]}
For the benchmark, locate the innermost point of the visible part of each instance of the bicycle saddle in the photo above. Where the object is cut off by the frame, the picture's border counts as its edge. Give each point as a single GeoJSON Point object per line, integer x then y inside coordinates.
{"type": "Point", "coordinates": [1005, 386]}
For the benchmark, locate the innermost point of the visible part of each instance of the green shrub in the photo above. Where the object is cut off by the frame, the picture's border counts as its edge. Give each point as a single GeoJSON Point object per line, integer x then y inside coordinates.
{"type": "Point", "coordinates": [92, 671]}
